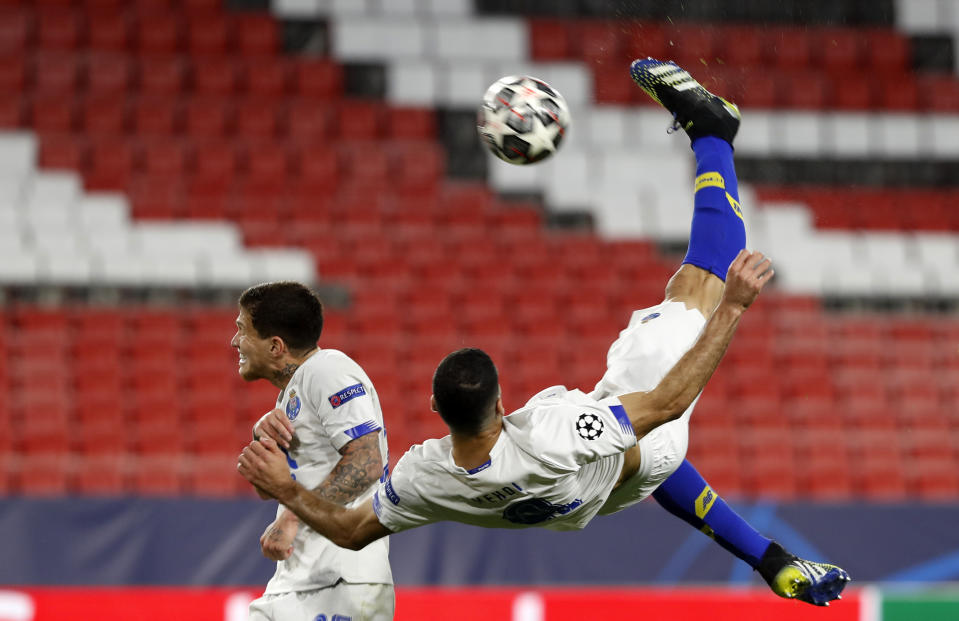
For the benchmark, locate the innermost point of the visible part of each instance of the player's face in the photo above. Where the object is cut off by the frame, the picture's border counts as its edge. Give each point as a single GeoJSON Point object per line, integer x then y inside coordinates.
{"type": "Point", "coordinates": [254, 350]}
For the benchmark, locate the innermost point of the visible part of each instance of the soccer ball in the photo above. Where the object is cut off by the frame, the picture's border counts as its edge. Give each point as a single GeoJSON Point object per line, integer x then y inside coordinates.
{"type": "Point", "coordinates": [522, 120]}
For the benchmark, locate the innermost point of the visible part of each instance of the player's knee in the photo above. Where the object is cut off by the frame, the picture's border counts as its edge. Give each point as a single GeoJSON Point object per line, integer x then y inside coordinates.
{"type": "Point", "coordinates": [696, 288]}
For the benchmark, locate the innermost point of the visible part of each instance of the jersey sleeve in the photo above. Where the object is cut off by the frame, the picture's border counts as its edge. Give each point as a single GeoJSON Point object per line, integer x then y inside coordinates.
{"type": "Point", "coordinates": [343, 399]}
{"type": "Point", "coordinates": [397, 503]}
{"type": "Point", "coordinates": [571, 434]}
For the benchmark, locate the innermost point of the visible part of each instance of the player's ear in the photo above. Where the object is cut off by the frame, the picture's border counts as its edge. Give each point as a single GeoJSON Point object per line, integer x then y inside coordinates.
{"type": "Point", "coordinates": [277, 346]}
{"type": "Point", "coordinates": [500, 410]}
{"type": "Point", "coordinates": [433, 404]}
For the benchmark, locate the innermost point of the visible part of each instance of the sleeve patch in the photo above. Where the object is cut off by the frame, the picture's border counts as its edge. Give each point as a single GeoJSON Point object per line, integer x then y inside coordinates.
{"type": "Point", "coordinates": [391, 493]}
{"type": "Point", "coordinates": [348, 393]}
{"type": "Point", "coordinates": [376, 504]}
{"type": "Point", "coordinates": [362, 429]}
{"type": "Point", "coordinates": [620, 413]}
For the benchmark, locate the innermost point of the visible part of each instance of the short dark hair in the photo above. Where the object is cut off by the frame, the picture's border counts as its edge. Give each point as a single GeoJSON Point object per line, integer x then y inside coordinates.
{"type": "Point", "coordinates": [466, 387]}
{"type": "Point", "coordinates": [289, 310]}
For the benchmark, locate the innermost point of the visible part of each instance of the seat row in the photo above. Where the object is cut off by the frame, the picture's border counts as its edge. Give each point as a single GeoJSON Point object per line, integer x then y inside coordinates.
{"type": "Point", "coordinates": [783, 48]}
{"type": "Point", "coordinates": [146, 30]}
{"type": "Point", "coordinates": [102, 76]}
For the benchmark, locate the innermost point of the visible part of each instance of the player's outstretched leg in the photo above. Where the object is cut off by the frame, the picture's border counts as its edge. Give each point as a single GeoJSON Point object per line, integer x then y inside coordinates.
{"type": "Point", "coordinates": [689, 497]}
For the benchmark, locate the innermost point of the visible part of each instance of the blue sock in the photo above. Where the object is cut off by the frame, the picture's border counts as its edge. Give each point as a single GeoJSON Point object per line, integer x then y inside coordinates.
{"type": "Point", "coordinates": [718, 232]}
{"type": "Point", "coordinates": [686, 495]}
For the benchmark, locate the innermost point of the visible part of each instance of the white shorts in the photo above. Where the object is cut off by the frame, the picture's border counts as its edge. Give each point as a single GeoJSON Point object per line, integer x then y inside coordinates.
{"type": "Point", "coordinates": [343, 601]}
{"type": "Point", "coordinates": [655, 339]}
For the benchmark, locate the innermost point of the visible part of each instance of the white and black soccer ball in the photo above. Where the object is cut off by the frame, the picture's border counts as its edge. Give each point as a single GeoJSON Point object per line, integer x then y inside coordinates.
{"type": "Point", "coordinates": [522, 120]}
{"type": "Point", "coordinates": [589, 426]}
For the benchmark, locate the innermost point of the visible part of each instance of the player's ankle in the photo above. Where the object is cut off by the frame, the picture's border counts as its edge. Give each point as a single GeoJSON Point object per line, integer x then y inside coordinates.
{"type": "Point", "coordinates": [773, 560]}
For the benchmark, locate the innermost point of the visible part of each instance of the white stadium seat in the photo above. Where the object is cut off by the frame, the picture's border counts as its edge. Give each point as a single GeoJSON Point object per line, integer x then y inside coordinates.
{"type": "Point", "coordinates": [489, 39]}
{"type": "Point", "coordinates": [18, 153]}
{"type": "Point", "coordinates": [362, 38]}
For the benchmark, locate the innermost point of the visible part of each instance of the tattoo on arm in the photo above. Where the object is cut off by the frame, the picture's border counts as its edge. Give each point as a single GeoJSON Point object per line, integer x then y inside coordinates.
{"type": "Point", "coordinates": [359, 467]}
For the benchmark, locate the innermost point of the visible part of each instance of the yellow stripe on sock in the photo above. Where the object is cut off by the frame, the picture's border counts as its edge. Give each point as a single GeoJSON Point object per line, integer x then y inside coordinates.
{"type": "Point", "coordinates": [709, 180]}
{"type": "Point", "coordinates": [705, 502]}
{"type": "Point", "coordinates": [735, 205]}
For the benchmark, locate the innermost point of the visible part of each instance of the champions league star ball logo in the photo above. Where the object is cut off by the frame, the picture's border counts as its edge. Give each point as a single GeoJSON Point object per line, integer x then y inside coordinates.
{"type": "Point", "coordinates": [589, 426]}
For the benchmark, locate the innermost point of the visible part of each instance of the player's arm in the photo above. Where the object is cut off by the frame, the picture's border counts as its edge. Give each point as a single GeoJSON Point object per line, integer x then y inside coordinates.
{"type": "Point", "coordinates": [263, 464]}
{"type": "Point", "coordinates": [747, 275]}
{"type": "Point", "coordinates": [359, 467]}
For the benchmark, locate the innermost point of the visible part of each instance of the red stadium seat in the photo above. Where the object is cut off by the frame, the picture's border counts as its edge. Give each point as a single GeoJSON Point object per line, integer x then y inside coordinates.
{"type": "Point", "coordinates": [599, 41]}
{"type": "Point", "coordinates": [742, 46]}
{"type": "Point", "coordinates": [208, 35]}
{"type": "Point", "coordinates": [164, 158]}
{"type": "Point", "coordinates": [161, 75]}
{"type": "Point", "coordinates": [100, 475]}
{"type": "Point", "coordinates": [839, 49]}
{"type": "Point", "coordinates": [899, 92]}
{"type": "Point", "coordinates": [647, 39]}
{"type": "Point", "coordinates": [789, 48]}
{"type": "Point", "coordinates": [216, 75]}
{"type": "Point", "coordinates": [207, 117]}
{"type": "Point", "coordinates": [886, 51]}
{"type": "Point", "coordinates": [216, 164]}
{"type": "Point", "coordinates": [104, 115]}
{"type": "Point", "coordinates": [111, 164]}
{"type": "Point", "coordinates": [257, 118]}
{"type": "Point", "coordinates": [215, 475]}
{"type": "Point", "coordinates": [108, 31]}
{"type": "Point", "coordinates": [268, 77]}
{"type": "Point", "coordinates": [549, 39]}
{"type": "Point", "coordinates": [158, 475]}
{"type": "Point", "coordinates": [155, 116]}
{"type": "Point", "coordinates": [807, 91]}
{"type": "Point", "coordinates": [13, 72]}
{"type": "Point", "coordinates": [317, 79]}
{"type": "Point", "coordinates": [256, 35]}
{"type": "Point", "coordinates": [854, 91]}
{"type": "Point", "coordinates": [108, 75]}
{"type": "Point", "coordinates": [15, 30]}
{"type": "Point", "coordinates": [56, 74]}
{"type": "Point", "coordinates": [159, 34]}
{"type": "Point", "coordinates": [940, 93]}
{"type": "Point", "coordinates": [307, 122]}
{"type": "Point", "coordinates": [51, 114]}
{"type": "Point", "coordinates": [412, 123]}
{"type": "Point", "coordinates": [359, 120]}
{"type": "Point", "coordinates": [44, 474]}
{"type": "Point", "coordinates": [63, 152]}
{"type": "Point", "coordinates": [59, 29]}
{"type": "Point", "coordinates": [610, 87]}
{"type": "Point", "coordinates": [694, 45]}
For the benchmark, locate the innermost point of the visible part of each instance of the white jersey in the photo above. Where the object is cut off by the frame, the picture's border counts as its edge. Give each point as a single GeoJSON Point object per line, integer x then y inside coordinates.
{"type": "Point", "coordinates": [553, 466]}
{"type": "Point", "coordinates": [330, 401]}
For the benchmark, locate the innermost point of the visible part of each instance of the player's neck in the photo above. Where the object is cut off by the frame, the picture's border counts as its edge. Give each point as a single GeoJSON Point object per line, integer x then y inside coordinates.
{"type": "Point", "coordinates": [285, 369]}
{"type": "Point", "coordinates": [472, 450]}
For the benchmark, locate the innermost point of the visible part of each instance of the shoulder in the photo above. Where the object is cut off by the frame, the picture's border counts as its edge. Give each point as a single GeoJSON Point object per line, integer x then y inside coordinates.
{"type": "Point", "coordinates": [429, 456]}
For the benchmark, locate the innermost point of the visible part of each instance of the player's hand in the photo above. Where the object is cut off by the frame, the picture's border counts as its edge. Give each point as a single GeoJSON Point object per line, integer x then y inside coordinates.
{"type": "Point", "coordinates": [275, 424]}
{"type": "Point", "coordinates": [263, 464]}
{"type": "Point", "coordinates": [276, 542]}
{"type": "Point", "coordinates": [748, 274]}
